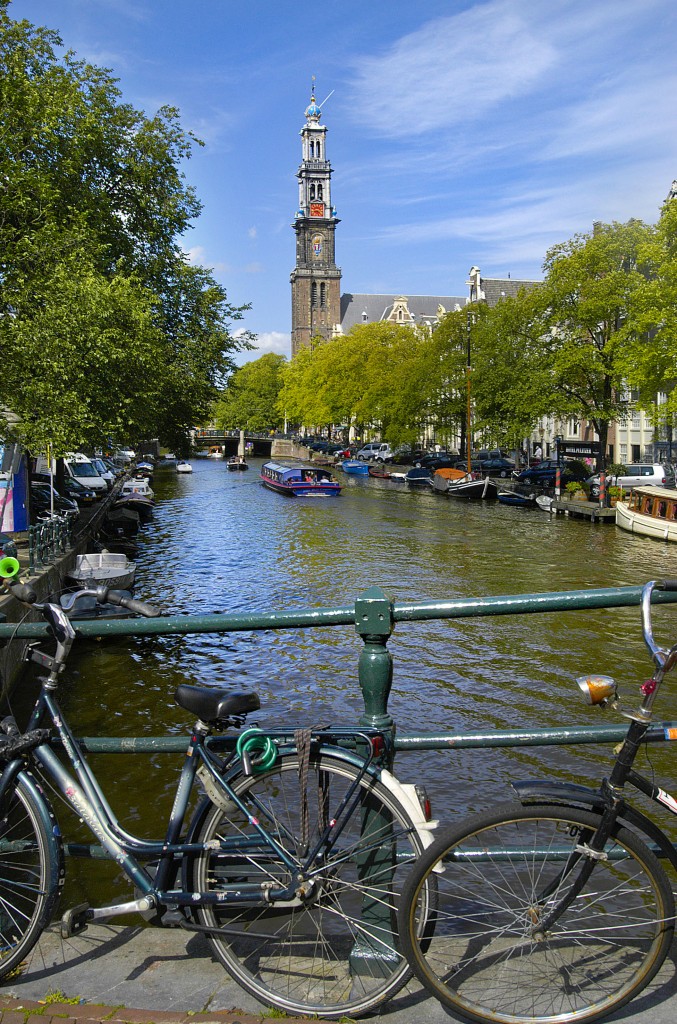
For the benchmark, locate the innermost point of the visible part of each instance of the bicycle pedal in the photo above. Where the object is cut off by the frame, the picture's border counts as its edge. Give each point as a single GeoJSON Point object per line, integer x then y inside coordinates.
{"type": "Point", "coordinates": [75, 920]}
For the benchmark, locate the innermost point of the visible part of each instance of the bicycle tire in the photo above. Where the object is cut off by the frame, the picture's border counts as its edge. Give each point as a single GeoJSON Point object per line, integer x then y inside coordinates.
{"type": "Point", "coordinates": [31, 871]}
{"type": "Point", "coordinates": [484, 961]}
{"type": "Point", "coordinates": [337, 953]}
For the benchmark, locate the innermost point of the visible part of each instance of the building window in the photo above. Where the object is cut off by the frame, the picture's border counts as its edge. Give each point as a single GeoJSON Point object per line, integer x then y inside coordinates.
{"type": "Point", "coordinates": [323, 296]}
{"type": "Point", "coordinates": [312, 191]}
{"type": "Point", "coordinates": [312, 149]}
{"type": "Point", "coordinates": [317, 150]}
{"type": "Point", "coordinates": [319, 192]}
{"type": "Point", "coordinates": [313, 294]}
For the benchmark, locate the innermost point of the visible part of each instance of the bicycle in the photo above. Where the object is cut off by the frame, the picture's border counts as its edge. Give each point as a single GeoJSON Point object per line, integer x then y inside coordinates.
{"type": "Point", "coordinates": [292, 863]}
{"type": "Point", "coordinates": [556, 908]}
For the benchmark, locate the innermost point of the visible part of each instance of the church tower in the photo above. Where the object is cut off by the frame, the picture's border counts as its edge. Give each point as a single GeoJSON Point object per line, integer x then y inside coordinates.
{"type": "Point", "coordinates": [315, 280]}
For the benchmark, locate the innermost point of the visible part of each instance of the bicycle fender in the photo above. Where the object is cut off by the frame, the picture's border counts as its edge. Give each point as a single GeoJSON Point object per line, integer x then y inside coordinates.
{"type": "Point", "coordinates": [26, 780]}
{"type": "Point", "coordinates": [570, 794]}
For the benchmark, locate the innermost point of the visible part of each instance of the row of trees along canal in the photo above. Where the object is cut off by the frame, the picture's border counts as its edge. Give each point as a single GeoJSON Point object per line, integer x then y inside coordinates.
{"type": "Point", "coordinates": [106, 331]}
{"type": "Point", "coordinates": [604, 320]}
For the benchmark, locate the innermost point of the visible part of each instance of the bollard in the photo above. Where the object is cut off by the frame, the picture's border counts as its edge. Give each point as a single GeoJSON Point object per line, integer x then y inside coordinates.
{"type": "Point", "coordinates": [558, 483]}
{"type": "Point", "coordinates": [602, 488]}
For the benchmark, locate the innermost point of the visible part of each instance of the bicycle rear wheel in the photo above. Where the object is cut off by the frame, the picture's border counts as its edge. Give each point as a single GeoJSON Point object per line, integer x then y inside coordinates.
{"type": "Point", "coordinates": [333, 951]}
{"type": "Point", "coordinates": [31, 868]}
{"type": "Point", "coordinates": [504, 871]}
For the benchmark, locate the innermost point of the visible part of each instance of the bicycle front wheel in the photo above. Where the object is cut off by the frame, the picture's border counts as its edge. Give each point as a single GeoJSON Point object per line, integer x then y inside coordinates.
{"type": "Point", "coordinates": [333, 949]}
{"type": "Point", "coordinates": [31, 869]}
{"type": "Point", "coordinates": [506, 872]}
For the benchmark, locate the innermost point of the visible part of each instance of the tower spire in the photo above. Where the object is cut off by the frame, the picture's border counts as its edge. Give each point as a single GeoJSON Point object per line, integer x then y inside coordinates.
{"type": "Point", "coordinates": [315, 280]}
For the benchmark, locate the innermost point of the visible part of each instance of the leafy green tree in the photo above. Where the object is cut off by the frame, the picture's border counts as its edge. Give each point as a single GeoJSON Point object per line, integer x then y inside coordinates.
{"type": "Point", "coordinates": [649, 358]}
{"type": "Point", "coordinates": [589, 287]}
{"type": "Point", "coordinates": [93, 194]}
{"type": "Point", "coordinates": [251, 396]}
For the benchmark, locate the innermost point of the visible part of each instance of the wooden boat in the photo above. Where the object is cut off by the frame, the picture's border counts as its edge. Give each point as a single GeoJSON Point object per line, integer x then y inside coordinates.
{"type": "Point", "coordinates": [517, 499]}
{"type": "Point", "coordinates": [419, 477]}
{"type": "Point", "coordinates": [650, 511]}
{"type": "Point", "coordinates": [215, 453]}
{"type": "Point", "coordinates": [379, 471]}
{"type": "Point", "coordinates": [442, 478]}
{"type": "Point", "coordinates": [103, 569]}
{"type": "Point", "coordinates": [355, 467]}
{"type": "Point", "coordinates": [235, 463]}
{"type": "Point", "coordinates": [184, 467]}
{"type": "Point", "coordinates": [302, 481]}
{"type": "Point", "coordinates": [482, 488]}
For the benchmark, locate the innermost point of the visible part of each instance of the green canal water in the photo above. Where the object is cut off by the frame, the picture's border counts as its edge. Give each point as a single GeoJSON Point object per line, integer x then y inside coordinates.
{"type": "Point", "coordinates": [220, 542]}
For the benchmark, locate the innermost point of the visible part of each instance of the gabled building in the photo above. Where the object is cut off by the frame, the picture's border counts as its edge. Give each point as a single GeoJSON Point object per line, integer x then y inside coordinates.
{"type": "Point", "coordinates": [416, 310]}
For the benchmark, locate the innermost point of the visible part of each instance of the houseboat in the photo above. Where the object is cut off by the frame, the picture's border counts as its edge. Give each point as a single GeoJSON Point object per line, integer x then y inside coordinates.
{"type": "Point", "coordinates": [303, 481]}
{"type": "Point", "coordinates": [651, 511]}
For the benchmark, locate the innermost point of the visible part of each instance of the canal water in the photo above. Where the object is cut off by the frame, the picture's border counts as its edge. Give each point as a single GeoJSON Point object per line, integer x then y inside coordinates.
{"type": "Point", "coordinates": [220, 542]}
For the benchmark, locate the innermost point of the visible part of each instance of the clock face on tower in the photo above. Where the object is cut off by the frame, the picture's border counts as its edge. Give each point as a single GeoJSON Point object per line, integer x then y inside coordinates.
{"type": "Point", "coordinates": [317, 209]}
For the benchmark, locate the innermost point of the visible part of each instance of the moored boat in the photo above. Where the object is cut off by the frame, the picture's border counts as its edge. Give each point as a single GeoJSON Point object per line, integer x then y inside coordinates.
{"type": "Point", "coordinates": [301, 481]}
{"type": "Point", "coordinates": [443, 477]}
{"type": "Point", "coordinates": [517, 499]}
{"type": "Point", "coordinates": [420, 476]}
{"type": "Point", "coordinates": [482, 488]}
{"type": "Point", "coordinates": [183, 467]}
{"type": "Point", "coordinates": [355, 467]}
{"type": "Point", "coordinates": [139, 487]}
{"type": "Point", "coordinates": [379, 471]}
{"type": "Point", "coordinates": [650, 511]}
{"type": "Point", "coordinates": [103, 569]}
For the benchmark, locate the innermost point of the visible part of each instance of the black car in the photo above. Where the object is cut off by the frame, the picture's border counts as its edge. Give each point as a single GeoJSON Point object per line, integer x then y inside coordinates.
{"type": "Point", "coordinates": [437, 460]}
{"type": "Point", "coordinates": [497, 467]}
{"type": "Point", "coordinates": [545, 472]}
{"type": "Point", "coordinates": [41, 501]}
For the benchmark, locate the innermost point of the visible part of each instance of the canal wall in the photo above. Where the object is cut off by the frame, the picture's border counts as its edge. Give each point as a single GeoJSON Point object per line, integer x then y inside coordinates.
{"type": "Point", "coordinates": [48, 582]}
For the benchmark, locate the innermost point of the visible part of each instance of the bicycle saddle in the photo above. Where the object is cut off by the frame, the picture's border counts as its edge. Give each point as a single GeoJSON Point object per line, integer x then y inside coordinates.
{"type": "Point", "coordinates": [214, 706]}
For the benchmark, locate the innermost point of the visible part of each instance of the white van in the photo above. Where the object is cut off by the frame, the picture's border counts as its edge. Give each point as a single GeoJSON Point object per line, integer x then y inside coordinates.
{"type": "Point", "coordinates": [82, 470]}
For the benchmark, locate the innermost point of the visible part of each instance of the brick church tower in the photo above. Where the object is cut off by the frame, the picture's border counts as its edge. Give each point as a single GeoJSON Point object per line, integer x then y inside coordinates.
{"type": "Point", "coordinates": [315, 280]}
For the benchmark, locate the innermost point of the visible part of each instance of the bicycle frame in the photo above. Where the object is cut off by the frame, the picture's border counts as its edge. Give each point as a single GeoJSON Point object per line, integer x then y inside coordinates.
{"type": "Point", "coordinates": [81, 790]}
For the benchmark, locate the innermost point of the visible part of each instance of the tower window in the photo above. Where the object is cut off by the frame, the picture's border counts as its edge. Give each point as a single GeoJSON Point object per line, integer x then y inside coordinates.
{"type": "Point", "coordinates": [312, 191]}
{"type": "Point", "coordinates": [319, 192]}
{"type": "Point", "coordinates": [313, 294]}
{"type": "Point", "coordinates": [312, 148]}
{"type": "Point", "coordinates": [323, 297]}
{"type": "Point", "coordinates": [318, 151]}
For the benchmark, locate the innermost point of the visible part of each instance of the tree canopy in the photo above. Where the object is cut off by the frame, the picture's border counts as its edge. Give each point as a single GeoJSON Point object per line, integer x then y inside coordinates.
{"type": "Point", "coordinates": [250, 401]}
{"type": "Point", "coordinates": [105, 329]}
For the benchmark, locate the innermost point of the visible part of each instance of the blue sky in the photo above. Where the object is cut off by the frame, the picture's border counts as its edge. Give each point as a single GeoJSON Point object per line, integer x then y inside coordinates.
{"type": "Point", "coordinates": [460, 133]}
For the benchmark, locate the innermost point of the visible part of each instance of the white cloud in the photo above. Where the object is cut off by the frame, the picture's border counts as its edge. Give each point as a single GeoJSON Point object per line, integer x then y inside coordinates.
{"type": "Point", "coordinates": [278, 342]}
{"type": "Point", "coordinates": [252, 233]}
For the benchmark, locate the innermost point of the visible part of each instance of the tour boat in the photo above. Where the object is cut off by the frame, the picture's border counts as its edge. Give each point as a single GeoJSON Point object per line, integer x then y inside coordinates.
{"type": "Point", "coordinates": [235, 463]}
{"type": "Point", "coordinates": [651, 511]}
{"type": "Point", "coordinates": [303, 481]}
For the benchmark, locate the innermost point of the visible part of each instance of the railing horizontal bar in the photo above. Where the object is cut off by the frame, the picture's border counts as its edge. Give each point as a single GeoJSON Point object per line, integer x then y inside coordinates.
{"type": "Point", "coordinates": [442, 741]}
{"type": "Point", "coordinates": [521, 604]}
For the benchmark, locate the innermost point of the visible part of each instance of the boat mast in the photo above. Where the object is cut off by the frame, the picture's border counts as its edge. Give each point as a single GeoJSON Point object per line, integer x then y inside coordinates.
{"type": "Point", "coordinates": [467, 421]}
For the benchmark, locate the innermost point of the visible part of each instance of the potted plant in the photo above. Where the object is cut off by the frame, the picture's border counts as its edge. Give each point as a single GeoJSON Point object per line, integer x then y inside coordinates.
{"type": "Point", "coordinates": [576, 491]}
{"type": "Point", "coordinates": [614, 494]}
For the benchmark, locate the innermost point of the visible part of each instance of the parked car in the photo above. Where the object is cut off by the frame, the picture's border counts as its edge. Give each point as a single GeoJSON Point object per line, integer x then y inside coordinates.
{"type": "Point", "coordinates": [437, 460]}
{"type": "Point", "coordinates": [497, 466]}
{"type": "Point", "coordinates": [377, 450]}
{"type": "Point", "coordinates": [545, 472]}
{"type": "Point", "coordinates": [41, 501]}
{"type": "Point", "coordinates": [407, 456]}
{"type": "Point", "coordinates": [637, 474]}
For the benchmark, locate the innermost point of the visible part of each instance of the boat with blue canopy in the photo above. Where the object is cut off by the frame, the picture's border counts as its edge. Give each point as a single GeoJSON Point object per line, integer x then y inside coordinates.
{"type": "Point", "coordinates": [302, 481]}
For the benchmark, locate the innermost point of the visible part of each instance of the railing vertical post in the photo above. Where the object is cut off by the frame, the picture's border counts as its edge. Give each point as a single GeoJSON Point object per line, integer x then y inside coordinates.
{"type": "Point", "coordinates": [374, 952]}
{"type": "Point", "coordinates": [374, 623]}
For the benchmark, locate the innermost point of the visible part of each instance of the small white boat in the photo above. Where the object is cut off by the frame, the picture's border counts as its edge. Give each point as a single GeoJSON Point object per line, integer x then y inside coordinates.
{"type": "Point", "coordinates": [137, 487]}
{"type": "Point", "coordinates": [544, 501]}
{"type": "Point", "coordinates": [651, 511]}
{"type": "Point", "coordinates": [104, 569]}
{"type": "Point", "coordinates": [184, 467]}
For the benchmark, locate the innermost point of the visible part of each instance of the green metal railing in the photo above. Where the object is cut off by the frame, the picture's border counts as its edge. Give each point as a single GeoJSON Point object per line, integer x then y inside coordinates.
{"type": "Point", "coordinates": [374, 617]}
{"type": "Point", "coordinates": [48, 540]}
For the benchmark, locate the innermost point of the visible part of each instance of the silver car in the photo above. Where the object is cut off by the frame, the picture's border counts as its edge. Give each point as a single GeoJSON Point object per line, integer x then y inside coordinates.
{"type": "Point", "coordinates": [638, 474]}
